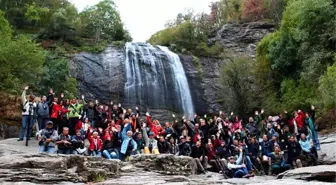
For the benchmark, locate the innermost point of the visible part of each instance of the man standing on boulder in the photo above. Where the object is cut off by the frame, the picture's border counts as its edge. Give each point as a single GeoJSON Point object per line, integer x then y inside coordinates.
{"type": "Point", "coordinates": [28, 107]}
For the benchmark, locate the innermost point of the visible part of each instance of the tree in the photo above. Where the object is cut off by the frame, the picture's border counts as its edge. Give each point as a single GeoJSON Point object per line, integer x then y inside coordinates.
{"type": "Point", "coordinates": [238, 88]}
{"type": "Point", "coordinates": [253, 10]}
{"type": "Point", "coordinates": [21, 59]}
{"type": "Point", "coordinates": [327, 87]}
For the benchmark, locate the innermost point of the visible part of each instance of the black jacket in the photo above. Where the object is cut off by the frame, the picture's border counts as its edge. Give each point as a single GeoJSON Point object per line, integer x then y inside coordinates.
{"type": "Point", "coordinates": [184, 149]}
{"type": "Point", "coordinates": [197, 152]}
{"type": "Point", "coordinates": [163, 147]}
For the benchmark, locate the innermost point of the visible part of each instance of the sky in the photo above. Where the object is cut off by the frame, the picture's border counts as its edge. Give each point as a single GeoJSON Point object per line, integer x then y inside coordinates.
{"type": "Point", "coordinates": [143, 18]}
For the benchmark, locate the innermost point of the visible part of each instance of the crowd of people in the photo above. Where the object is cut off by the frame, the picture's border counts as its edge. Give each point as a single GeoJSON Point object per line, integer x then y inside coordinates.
{"type": "Point", "coordinates": [222, 142]}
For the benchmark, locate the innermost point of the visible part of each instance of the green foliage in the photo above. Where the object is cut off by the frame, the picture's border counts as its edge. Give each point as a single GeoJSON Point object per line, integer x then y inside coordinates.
{"type": "Point", "coordinates": [327, 87]}
{"type": "Point", "coordinates": [55, 75]}
{"type": "Point", "coordinates": [238, 88]}
{"type": "Point", "coordinates": [21, 60]}
{"type": "Point", "coordinates": [186, 37]}
{"type": "Point", "coordinates": [294, 58]}
{"type": "Point", "coordinates": [5, 29]}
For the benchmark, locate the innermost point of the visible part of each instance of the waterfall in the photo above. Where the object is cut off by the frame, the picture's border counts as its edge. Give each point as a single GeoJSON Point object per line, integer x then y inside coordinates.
{"type": "Point", "coordinates": [155, 77]}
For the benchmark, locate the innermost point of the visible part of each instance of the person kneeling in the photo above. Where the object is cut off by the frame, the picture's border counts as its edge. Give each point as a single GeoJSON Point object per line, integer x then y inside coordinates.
{"type": "Point", "coordinates": [96, 145]}
{"type": "Point", "coordinates": [47, 138]}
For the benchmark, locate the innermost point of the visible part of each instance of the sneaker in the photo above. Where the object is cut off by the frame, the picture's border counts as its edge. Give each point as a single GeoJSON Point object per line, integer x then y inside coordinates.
{"type": "Point", "coordinates": [20, 139]}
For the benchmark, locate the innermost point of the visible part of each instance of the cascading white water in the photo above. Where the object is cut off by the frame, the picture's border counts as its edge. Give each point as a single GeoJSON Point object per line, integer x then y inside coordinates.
{"type": "Point", "coordinates": [155, 77]}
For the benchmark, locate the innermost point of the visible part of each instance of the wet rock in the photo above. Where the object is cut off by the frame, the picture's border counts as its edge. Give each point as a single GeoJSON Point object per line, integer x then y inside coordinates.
{"type": "Point", "coordinates": [100, 76]}
{"type": "Point", "coordinates": [326, 173]}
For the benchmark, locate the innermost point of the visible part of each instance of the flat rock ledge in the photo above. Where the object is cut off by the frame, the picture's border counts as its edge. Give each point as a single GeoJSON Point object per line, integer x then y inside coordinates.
{"type": "Point", "coordinates": [325, 173]}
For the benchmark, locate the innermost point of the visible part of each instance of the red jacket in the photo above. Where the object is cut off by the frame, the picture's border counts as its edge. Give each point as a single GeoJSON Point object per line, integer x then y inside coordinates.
{"type": "Point", "coordinates": [56, 110]}
{"type": "Point", "coordinates": [156, 129]}
{"type": "Point", "coordinates": [300, 119]}
{"type": "Point", "coordinates": [92, 144]}
{"type": "Point", "coordinates": [79, 126]}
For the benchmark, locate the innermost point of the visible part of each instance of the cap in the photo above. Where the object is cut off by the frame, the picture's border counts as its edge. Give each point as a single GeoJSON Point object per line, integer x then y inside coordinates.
{"type": "Point", "coordinates": [151, 133]}
{"type": "Point", "coordinates": [182, 137]}
{"type": "Point", "coordinates": [50, 123]}
{"type": "Point", "coordinates": [275, 135]}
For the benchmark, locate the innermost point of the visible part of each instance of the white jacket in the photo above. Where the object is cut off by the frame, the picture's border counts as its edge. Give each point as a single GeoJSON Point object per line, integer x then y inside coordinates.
{"type": "Point", "coordinates": [27, 105]}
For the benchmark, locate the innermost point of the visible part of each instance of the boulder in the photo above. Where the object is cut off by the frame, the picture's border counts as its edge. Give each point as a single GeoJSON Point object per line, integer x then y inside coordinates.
{"type": "Point", "coordinates": [165, 164]}
{"type": "Point", "coordinates": [56, 168]}
{"type": "Point", "coordinates": [326, 173]}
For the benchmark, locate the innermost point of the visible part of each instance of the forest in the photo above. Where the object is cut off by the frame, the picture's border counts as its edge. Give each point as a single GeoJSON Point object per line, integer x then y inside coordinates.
{"type": "Point", "coordinates": [295, 66]}
{"type": "Point", "coordinates": [38, 37]}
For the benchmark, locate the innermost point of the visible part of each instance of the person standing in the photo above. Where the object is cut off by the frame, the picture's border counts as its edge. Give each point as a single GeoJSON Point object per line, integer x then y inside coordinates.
{"type": "Point", "coordinates": [74, 113]}
{"type": "Point", "coordinates": [42, 111]}
{"type": "Point", "coordinates": [28, 107]}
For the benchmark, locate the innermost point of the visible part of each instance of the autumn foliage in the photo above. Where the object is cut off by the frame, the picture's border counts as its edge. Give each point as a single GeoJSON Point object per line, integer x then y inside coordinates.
{"type": "Point", "coordinates": [253, 10]}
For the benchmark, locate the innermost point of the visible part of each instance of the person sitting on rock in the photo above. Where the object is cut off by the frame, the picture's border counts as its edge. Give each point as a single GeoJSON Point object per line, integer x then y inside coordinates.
{"type": "Point", "coordinates": [278, 161]}
{"type": "Point", "coordinates": [294, 150]}
{"type": "Point", "coordinates": [110, 150]}
{"type": "Point", "coordinates": [173, 147]}
{"type": "Point", "coordinates": [308, 148]}
{"type": "Point", "coordinates": [64, 142]}
{"type": "Point", "coordinates": [184, 147]}
{"type": "Point", "coordinates": [96, 145]}
{"type": "Point", "coordinates": [199, 154]}
{"type": "Point", "coordinates": [84, 127]}
{"type": "Point", "coordinates": [128, 146]}
{"type": "Point", "coordinates": [155, 126]}
{"type": "Point", "coordinates": [152, 143]}
{"type": "Point", "coordinates": [47, 138]}
{"type": "Point", "coordinates": [265, 154]}
{"type": "Point", "coordinates": [253, 152]}
{"type": "Point", "coordinates": [163, 145]}
{"type": "Point", "coordinates": [141, 138]}
{"type": "Point", "coordinates": [78, 143]}
{"type": "Point", "coordinates": [236, 169]}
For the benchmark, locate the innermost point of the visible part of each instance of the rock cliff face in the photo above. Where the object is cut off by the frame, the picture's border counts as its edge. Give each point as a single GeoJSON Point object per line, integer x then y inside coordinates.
{"type": "Point", "coordinates": [242, 39]}
{"type": "Point", "coordinates": [102, 76]}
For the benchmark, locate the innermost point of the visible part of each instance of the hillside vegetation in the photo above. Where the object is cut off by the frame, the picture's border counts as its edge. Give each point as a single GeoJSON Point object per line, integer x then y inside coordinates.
{"type": "Point", "coordinates": [38, 37]}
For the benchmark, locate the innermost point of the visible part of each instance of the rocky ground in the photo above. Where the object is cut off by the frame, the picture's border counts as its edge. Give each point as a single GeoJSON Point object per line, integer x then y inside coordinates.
{"type": "Point", "coordinates": [23, 165]}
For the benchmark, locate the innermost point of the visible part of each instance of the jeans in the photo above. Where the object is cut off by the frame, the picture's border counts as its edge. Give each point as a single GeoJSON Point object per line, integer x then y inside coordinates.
{"type": "Point", "coordinates": [65, 151]}
{"type": "Point", "coordinates": [240, 173]}
{"type": "Point", "coordinates": [96, 153]}
{"type": "Point", "coordinates": [42, 122]}
{"type": "Point", "coordinates": [26, 126]}
{"type": "Point", "coordinates": [47, 149]}
{"type": "Point", "coordinates": [276, 169]}
{"type": "Point", "coordinates": [316, 141]}
{"type": "Point", "coordinates": [111, 154]}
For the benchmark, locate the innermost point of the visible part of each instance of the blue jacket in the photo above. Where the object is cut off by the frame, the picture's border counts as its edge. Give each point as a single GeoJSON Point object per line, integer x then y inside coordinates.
{"type": "Point", "coordinates": [126, 140]}
{"type": "Point", "coordinates": [305, 145]}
